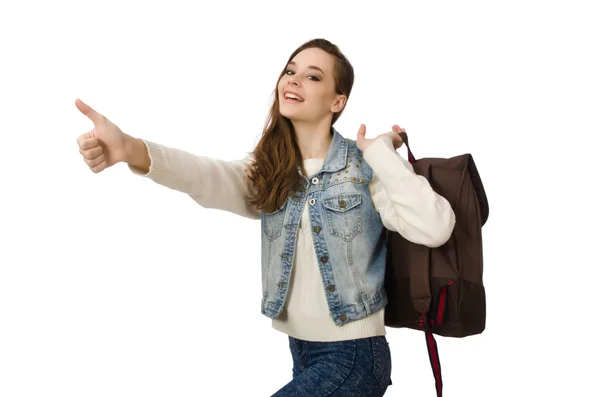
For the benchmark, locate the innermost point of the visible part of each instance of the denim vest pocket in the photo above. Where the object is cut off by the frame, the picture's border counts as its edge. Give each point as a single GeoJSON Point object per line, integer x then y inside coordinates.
{"type": "Point", "coordinates": [273, 223]}
{"type": "Point", "coordinates": [343, 214]}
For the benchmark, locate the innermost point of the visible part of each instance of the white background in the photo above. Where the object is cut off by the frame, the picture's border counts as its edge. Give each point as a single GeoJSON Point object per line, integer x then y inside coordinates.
{"type": "Point", "coordinates": [111, 285]}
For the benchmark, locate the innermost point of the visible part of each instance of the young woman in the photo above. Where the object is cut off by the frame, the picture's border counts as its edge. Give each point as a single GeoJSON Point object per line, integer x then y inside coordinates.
{"type": "Point", "coordinates": [324, 202]}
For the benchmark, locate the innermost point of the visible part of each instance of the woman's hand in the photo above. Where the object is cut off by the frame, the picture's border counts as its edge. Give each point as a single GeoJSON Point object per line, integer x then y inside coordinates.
{"type": "Point", "coordinates": [363, 143]}
{"type": "Point", "coordinates": [105, 144]}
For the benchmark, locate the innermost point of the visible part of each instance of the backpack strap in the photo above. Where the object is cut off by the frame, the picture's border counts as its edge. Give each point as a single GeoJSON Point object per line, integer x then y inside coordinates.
{"type": "Point", "coordinates": [434, 359]}
{"type": "Point", "coordinates": [419, 272]}
{"type": "Point", "coordinates": [404, 137]}
{"type": "Point", "coordinates": [426, 325]}
{"type": "Point", "coordinates": [420, 291]}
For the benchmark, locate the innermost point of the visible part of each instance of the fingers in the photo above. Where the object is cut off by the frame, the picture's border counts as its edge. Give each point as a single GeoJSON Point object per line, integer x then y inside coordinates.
{"type": "Point", "coordinates": [396, 128]}
{"type": "Point", "coordinates": [100, 167]}
{"type": "Point", "coordinates": [95, 161]}
{"type": "Point", "coordinates": [92, 152]}
{"type": "Point", "coordinates": [87, 142]}
{"type": "Point", "coordinates": [361, 132]}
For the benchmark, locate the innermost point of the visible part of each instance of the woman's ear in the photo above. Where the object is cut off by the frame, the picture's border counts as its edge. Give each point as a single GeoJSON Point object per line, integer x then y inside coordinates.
{"type": "Point", "coordinates": [338, 105]}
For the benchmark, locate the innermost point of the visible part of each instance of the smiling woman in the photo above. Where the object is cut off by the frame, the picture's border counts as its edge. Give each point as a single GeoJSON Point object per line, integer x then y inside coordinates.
{"type": "Point", "coordinates": [324, 208]}
{"type": "Point", "coordinates": [320, 77]}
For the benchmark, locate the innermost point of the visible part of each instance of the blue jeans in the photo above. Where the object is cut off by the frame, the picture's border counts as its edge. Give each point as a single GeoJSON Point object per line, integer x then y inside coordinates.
{"type": "Point", "coordinates": [350, 368]}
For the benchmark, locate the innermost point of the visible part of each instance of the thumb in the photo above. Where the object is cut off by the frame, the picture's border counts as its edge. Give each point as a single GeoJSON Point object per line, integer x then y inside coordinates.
{"type": "Point", "coordinates": [361, 133]}
{"type": "Point", "coordinates": [88, 111]}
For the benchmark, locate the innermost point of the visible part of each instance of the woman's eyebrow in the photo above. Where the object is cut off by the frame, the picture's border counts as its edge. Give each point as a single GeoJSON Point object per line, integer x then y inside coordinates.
{"type": "Point", "coordinates": [309, 66]}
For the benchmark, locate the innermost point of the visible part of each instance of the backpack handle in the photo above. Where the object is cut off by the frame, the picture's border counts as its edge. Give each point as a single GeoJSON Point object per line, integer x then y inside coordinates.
{"type": "Point", "coordinates": [404, 137]}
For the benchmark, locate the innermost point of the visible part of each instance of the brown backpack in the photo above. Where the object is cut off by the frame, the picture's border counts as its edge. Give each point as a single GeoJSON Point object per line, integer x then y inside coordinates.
{"type": "Point", "coordinates": [440, 290]}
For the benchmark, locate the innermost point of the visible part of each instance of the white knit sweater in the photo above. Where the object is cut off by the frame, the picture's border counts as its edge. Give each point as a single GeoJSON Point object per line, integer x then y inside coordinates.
{"type": "Point", "coordinates": [404, 200]}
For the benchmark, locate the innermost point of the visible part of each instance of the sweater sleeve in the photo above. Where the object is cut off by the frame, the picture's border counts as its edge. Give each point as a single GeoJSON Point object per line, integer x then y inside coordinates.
{"type": "Point", "coordinates": [212, 183]}
{"type": "Point", "coordinates": [405, 200]}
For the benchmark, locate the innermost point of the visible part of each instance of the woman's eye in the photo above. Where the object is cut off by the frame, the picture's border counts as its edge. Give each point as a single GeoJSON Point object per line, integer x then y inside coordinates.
{"type": "Point", "coordinates": [314, 77]}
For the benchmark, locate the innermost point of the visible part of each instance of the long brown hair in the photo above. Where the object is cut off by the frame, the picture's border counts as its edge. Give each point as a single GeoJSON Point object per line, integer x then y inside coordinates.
{"type": "Point", "coordinates": [273, 171]}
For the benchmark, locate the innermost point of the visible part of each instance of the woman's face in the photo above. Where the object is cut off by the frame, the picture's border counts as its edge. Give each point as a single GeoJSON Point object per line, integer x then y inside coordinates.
{"type": "Point", "coordinates": [310, 76]}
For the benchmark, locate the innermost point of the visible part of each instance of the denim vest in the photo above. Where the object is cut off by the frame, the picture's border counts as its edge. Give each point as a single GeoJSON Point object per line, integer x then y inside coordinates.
{"type": "Point", "coordinates": [349, 237]}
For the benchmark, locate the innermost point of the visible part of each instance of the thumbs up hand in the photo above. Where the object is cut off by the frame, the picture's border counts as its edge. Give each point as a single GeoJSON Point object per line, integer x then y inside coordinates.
{"type": "Point", "coordinates": [104, 145]}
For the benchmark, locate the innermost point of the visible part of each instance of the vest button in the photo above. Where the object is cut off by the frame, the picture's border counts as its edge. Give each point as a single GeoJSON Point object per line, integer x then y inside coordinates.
{"type": "Point", "coordinates": [324, 259]}
{"type": "Point", "coordinates": [342, 203]}
{"type": "Point", "coordinates": [317, 229]}
{"type": "Point", "coordinates": [343, 317]}
{"type": "Point", "coordinates": [331, 287]}
{"type": "Point", "coordinates": [315, 180]}
{"type": "Point", "coordinates": [312, 201]}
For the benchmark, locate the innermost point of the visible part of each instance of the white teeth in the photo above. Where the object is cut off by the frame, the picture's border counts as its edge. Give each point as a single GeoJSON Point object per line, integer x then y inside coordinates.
{"type": "Point", "coordinates": [288, 95]}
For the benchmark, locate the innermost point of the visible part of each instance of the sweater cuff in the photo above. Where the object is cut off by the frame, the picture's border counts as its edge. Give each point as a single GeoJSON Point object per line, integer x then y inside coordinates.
{"type": "Point", "coordinates": [158, 161]}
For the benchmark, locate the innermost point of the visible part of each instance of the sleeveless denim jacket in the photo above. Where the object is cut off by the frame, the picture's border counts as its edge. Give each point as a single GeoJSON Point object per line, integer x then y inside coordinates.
{"type": "Point", "coordinates": [349, 237]}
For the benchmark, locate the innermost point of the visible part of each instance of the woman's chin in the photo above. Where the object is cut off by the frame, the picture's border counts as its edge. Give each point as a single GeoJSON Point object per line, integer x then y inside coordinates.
{"type": "Point", "coordinates": [289, 113]}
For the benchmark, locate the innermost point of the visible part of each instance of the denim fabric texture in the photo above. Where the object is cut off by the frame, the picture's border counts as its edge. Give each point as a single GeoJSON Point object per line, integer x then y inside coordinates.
{"type": "Point", "coordinates": [349, 368]}
{"type": "Point", "coordinates": [348, 234]}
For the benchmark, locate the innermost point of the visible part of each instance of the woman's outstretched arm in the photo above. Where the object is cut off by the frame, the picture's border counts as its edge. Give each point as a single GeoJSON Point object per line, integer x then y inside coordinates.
{"type": "Point", "coordinates": [212, 183]}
